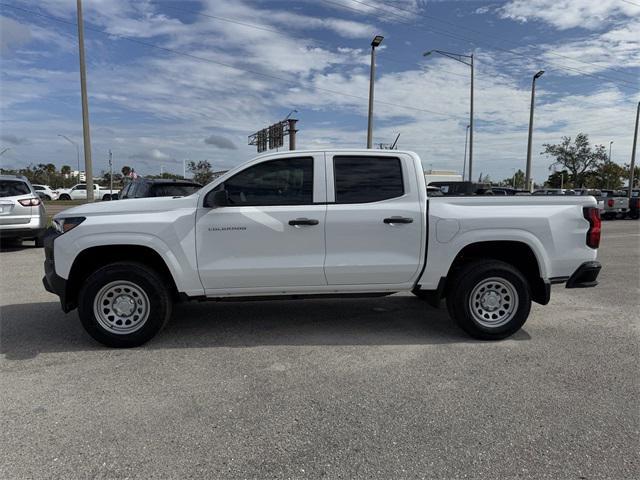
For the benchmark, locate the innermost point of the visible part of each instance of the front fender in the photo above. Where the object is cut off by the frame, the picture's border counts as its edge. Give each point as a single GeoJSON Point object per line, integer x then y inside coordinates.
{"type": "Point", "coordinates": [179, 261]}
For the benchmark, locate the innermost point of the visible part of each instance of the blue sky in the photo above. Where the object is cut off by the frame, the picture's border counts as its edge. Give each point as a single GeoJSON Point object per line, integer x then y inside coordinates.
{"type": "Point", "coordinates": [189, 80]}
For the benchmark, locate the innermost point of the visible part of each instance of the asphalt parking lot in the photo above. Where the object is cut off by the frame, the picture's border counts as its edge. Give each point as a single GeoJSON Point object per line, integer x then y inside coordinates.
{"type": "Point", "coordinates": [367, 388]}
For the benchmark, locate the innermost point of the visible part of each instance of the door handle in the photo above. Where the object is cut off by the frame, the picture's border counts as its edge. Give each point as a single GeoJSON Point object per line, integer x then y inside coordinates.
{"type": "Point", "coordinates": [392, 220]}
{"type": "Point", "coordinates": [303, 221]}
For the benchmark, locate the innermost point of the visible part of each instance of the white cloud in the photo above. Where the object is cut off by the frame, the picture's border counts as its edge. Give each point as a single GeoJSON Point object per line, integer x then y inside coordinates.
{"type": "Point", "coordinates": [13, 35]}
{"type": "Point", "coordinates": [565, 14]}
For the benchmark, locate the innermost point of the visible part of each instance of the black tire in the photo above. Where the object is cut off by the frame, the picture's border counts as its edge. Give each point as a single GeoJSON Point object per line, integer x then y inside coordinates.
{"type": "Point", "coordinates": [509, 280]}
{"type": "Point", "coordinates": [39, 241]}
{"type": "Point", "coordinates": [64, 196]}
{"type": "Point", "coordinates": [106, 197]}
{"type": "Point", "coordinates": [140, 276]}
{"type": "Point", "coordinates": [47, 198]}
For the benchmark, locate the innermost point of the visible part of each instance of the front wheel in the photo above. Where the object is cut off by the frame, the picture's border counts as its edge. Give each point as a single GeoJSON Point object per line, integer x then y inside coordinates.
{"type": "Point", "coordinates": [489, 299]}
{"type": "Point", "coordinates": [64, 196]}
{"type": "Point", "coordinates": [124, 304]}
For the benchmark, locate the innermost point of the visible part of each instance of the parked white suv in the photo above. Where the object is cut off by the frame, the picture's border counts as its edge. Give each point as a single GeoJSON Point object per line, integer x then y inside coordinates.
{"type": "Point", "coordinates": [45, 192]}
{"type": "Point", "coordinates": [319, 223]}
{"type": "Point", "coordinates": [22, 214]}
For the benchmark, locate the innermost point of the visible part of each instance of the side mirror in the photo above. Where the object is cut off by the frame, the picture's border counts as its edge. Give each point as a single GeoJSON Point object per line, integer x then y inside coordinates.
{"type": "Point", "coordinates": [218, 198]}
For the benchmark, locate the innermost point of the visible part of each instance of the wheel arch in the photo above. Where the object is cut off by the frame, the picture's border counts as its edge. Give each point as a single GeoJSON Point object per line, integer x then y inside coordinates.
{"type": "Point", "coordinates": [517, 253]}
{"type": "Point", "coordinates": [92, 258]}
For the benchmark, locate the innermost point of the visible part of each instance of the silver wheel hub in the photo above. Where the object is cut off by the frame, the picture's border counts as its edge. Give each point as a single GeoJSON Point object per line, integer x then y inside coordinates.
{"type": "Point", "coordinates": [121, 307]}
{"type": "Point", "coordinates": [493, 302]}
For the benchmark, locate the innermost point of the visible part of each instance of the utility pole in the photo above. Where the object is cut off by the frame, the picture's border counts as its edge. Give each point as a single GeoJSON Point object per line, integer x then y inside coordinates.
{"type": "Point", "coordinates": [464, 162]}
{"type": "Point", "coordinates": [633, 154]}
{"type": "Point", "coordinates": [377, 40]}
{"type": "Point", "coordinates": [88, 167]}
{"type": "Point", "coordinates": [110, 173]}
{"type": "Point", "coordinates": [471, 124]}
{"type": "Point", "coordinates": [292, 133]}
{"type": "Point", "coordinates": [527, 181]}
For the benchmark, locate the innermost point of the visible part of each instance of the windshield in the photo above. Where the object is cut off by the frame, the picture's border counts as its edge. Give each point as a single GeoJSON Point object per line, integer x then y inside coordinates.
{"type": "Point", "coordinates": [13, 188]}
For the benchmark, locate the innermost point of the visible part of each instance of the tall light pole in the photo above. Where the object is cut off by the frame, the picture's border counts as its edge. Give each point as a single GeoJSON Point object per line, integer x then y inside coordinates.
{"type": "Point", "coordinates": [88, 167]}
{"type": "Point", "coordinates": [5, 151]}
{"type": "Point", "coordinates": [527, 178]}
{"type": "Point", "coordinates": [464, 163]}
{"type": "Point", "coordinates": [110, 174]}
{"type": "Point", "coordinates": [377, 40]}
{"type": "Point", "coordinates": [633, 153]}
{"type": "Point", "coordinates": [467, 60]}
{"type": "Point", "coordinates": [77, 152]}
{"type": "Point", "coordinates": [610, 143]}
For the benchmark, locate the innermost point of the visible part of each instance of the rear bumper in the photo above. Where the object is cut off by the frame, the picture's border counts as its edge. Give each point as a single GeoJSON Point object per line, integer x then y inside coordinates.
{"type": "Point", "coordinates": [52, 282]}
{"type": "Point", "coordinates": [20, 232]}
{"type": "Point", "coordinates": [585, 276]}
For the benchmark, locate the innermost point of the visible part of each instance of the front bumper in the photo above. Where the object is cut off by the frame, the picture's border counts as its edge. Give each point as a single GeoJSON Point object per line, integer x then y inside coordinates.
{"type": "Point", "coordinates": [585, 276]}
{"type": "Point", "coordinates": [52, 282]}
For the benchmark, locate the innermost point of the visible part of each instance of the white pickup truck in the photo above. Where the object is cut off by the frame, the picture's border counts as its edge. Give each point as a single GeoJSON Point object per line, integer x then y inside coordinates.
{"type": "Point", "coordinates": [319, 223]}
{"type": "Point", "coordinates": [79, 192]}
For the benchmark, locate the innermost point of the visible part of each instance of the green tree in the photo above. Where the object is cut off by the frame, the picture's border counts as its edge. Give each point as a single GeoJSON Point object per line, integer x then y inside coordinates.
{"type": "Point", "coordinates": [559, 180]}
{"type": "Point", "coordinates": [517, 180]}
{"type": "Point", "coordinates": [578, 158]}
{"type": "Point", "coordinates": [202, 172]}
{"type": "Point", "coordinates": [636, 174]}
{"type": "Point", "coordinates": [166, 175]}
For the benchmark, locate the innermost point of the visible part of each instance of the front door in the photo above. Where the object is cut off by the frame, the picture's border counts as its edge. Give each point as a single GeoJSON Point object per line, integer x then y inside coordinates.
{"type": "Point", "coordinates": [271, 232]}
{"type": "Point", "coordinates": [374, 220]}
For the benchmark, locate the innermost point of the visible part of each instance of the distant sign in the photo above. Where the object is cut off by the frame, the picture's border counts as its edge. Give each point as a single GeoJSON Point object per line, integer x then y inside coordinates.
{"type": "Point", "coordinates": [271, 137]}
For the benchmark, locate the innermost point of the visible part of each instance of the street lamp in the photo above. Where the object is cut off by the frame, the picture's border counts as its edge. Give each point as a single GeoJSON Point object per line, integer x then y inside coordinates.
{"type": "Point", "coordinates": [527, 179]}
{"type": "Point", "coordinates": [77, 151]}
{"type": "Point", "coordinates": [377, 40]}
{"type": "Point", "coordinates": [467, 60]}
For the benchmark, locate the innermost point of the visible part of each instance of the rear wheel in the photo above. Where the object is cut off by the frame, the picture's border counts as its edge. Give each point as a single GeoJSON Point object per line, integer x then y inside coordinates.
{"type": "Point", "coordinates": [124, 304]}
{"type": "Point", "coordinates": [106, 197]}
{"type": "Point", "coordinates": [489, 299]}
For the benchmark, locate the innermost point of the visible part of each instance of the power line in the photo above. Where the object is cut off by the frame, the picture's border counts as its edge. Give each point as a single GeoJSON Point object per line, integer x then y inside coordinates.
{"type": "Point", "coordinates": [223, 64]}
{"type": "Point", "coordinates": [626, 84]}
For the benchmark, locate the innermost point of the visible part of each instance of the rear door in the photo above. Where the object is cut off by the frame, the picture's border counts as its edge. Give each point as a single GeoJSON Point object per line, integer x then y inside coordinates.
{"type": "Point", "coordinates": [374, 220]}
{"type": "Point", "coordinates": [272, 232]}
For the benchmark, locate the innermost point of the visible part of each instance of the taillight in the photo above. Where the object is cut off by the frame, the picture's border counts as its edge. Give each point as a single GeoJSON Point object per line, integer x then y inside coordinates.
{"type": "Point", "coordinates": [29, 202]}
{"type": "Point", "coordinates": [592, 214]}
{"type": "Point", "coordinates": [611, 202]}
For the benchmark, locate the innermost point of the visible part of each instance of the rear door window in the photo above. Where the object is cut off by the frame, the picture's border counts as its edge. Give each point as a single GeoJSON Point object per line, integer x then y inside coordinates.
{"type": "Point", "coordinates": [365, 179]}
{"type": "Point", "coordinates": [13, 188]}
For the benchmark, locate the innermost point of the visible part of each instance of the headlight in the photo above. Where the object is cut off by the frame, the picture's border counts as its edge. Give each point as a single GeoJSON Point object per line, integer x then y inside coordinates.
{"type": "Point", "coordinates": [64, 224]}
